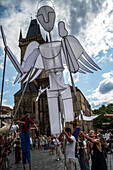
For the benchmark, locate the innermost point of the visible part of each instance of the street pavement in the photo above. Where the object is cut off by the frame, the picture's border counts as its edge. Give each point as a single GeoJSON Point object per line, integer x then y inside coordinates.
{"type": "Point", "coordinates": [110, 161]}
{"type": "Point", "coordinates": [41, 160]}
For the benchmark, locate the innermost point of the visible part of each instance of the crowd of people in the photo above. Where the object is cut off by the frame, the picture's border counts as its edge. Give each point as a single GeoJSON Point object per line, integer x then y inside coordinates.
{"type": "Point", "coordinates": [91, 147]}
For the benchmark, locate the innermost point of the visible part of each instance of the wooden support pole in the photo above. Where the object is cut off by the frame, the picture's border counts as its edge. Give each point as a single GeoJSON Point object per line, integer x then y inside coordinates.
{"type": "Point", "coordinates": [3, 77]}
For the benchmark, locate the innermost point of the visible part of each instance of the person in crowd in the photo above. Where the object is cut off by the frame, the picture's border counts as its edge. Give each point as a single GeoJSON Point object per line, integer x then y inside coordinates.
{"type": "Point", "coordinates": [49, 140]}
{"type": "Point", "coordinates": [58, 147]}
{"type": "Point", "coordinates": [33, 140]}
{"type": "Point", "coordinates": [36, 142]}
{"type": "Point", "coordinates": [70, 148]}
{"type": "Point", "coordinates": [0, 154]}
{"type": "Point", "coordinates": [97, 156]}
{"type": "Point", "coordinates": [104, 144]}
{"type": "Point", "coordinates": [107, 136]}
{"type": "Point", "coordinates": [111, 143]}
{"type": "Point", "coordinates": [31, 143]}
{"type": "Point", "coordinates": [2, 141]}
{"type": "Point", "coordinates": [45, 143]}
{"type": "Point", "coordinates": [17, 151]}
{"type": "Point", "coordinates": [52, 146]}
{"type": "Point", "coordinates": [9, 139]}
{"type": "Point", "coordinates": [25, 137]}
{"type": "Point", "coordinates": [41, 141]}
{"type": "Point", "coordinates": [5, 164]}
{"type": "Point", "coordinates": [54, 142]}
{"type": "Point", "coordinates": [82, 146]}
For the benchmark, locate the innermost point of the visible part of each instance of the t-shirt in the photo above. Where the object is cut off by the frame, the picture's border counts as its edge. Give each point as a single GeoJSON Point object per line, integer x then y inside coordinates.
{"type": "Point", "coordinates": [107, 136]}
{"type": "Point", "coordinates": [70, 148]}
{"type": "Point", "coordinates": [31, 142]}
{"type": "Point", "coordinates": [57, 142]}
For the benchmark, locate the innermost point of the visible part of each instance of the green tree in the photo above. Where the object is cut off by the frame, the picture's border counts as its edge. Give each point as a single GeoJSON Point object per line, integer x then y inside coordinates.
{"type": "Point", "coordinates": [99, 122]}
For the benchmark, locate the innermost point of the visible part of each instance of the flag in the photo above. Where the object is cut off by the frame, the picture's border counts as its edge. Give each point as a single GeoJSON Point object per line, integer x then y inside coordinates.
{"type": "Point", "coordinates": [76, 132]}
{"type": "Point", "coordinates": [87, 118]}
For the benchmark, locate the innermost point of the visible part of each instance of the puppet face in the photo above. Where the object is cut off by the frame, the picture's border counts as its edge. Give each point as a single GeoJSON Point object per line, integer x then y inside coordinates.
{"type": "Point", "coordinates": [46, 17]}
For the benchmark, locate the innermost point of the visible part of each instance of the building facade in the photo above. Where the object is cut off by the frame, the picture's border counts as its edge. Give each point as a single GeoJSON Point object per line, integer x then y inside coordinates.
{"type": "Point", "coordinates": [6, 115]}
{"type": "Point", "coordinates": [84, 106]}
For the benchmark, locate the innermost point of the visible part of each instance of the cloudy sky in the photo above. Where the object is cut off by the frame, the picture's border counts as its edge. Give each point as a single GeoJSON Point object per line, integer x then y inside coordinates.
{"type": "Point", "coordinates": [90, 21]}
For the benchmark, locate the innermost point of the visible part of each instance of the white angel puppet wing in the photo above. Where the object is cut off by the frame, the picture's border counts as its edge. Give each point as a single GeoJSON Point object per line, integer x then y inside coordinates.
{"type": "Point", "coordinates": [76, 57]}
{"type": "Point", "coordinates": [38, 67]}
{"type": "Point", "coordinates": [31, 56]}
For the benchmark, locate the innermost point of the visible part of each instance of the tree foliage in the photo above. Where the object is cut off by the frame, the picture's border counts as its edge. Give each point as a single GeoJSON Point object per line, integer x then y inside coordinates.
{"type": "Point", "coordinates": [99, 122]}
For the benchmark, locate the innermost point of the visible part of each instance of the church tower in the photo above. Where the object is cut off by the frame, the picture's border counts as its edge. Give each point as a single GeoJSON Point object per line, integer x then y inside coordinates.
{"type": "Point", "coordinates": [33, 34]}
{"type": "Point", "coordinates": [38, 110]}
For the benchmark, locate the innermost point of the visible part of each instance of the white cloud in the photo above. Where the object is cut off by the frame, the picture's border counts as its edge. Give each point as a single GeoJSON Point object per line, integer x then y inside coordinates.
{"type": "Point", "coordinates": [6, 80]}
{"type": "Point", "coordinates": [12, 24]}
{"type": "Point", "coordinates": [13, 77]}
{"type": "Point", "coordinates": [1, 65]}
{"type": "Point", "coordinates": [4, 101]}
{"type": "Point", "coordinates": [97, 35]}
{"type": "Point", "coordinates": [108, 75]}
{"type": "Point", "coordinates": [103, 94]}
{"type": "Point", "coordinates": [67, 76]}
{"type": "Point", "coordinates": [6, 92]}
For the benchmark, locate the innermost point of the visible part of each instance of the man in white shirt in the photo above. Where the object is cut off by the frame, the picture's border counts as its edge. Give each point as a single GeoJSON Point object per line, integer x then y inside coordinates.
{"type": "Point", "coordinates": [107, 136]}
{"type": "Point", "coordinates": [58, 149]}
{"type": "Point", "coordinates": [70, 148]}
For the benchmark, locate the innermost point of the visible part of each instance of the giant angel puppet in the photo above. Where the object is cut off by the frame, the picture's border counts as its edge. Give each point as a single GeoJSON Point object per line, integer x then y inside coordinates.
{"type": "Point", "coordinates": [50, 57]}
{"type": "Point", "coordinates": [53, 54]}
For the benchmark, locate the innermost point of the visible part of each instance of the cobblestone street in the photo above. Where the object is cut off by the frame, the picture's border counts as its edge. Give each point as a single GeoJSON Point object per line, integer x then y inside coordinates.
{"type": "Point", "coordinates": [41, 160]}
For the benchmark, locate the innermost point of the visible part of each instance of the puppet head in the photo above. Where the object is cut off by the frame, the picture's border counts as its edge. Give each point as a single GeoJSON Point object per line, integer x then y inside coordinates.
{"type": "Point", "coordinates": [46, 17]}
